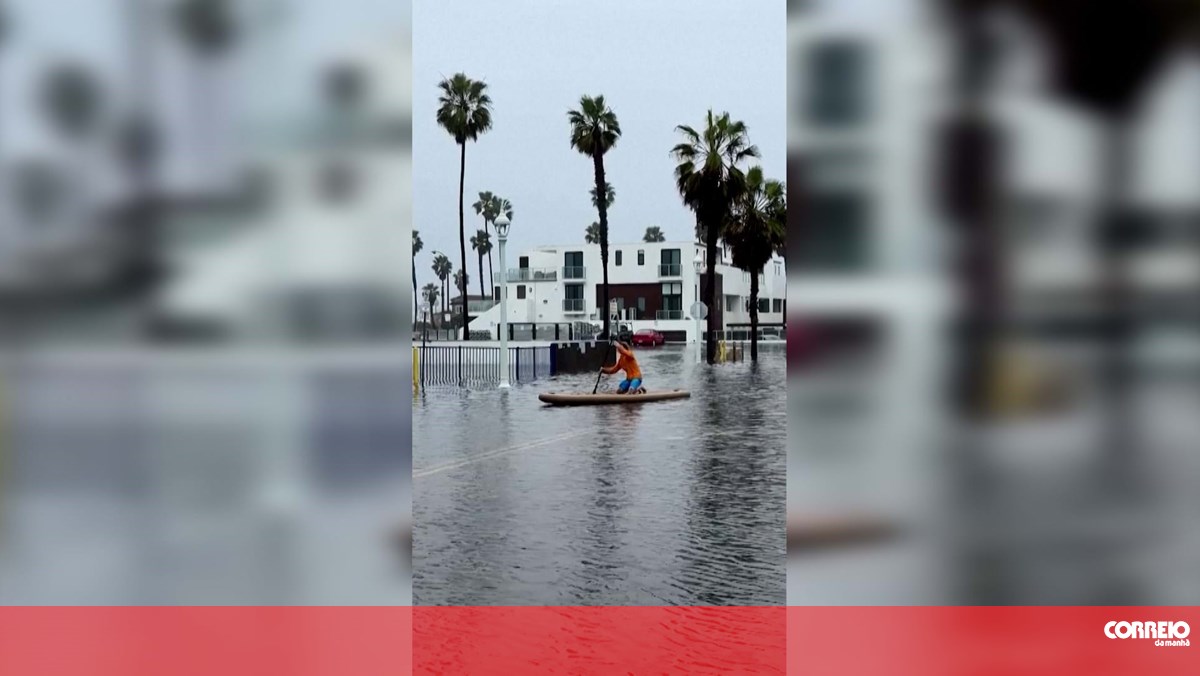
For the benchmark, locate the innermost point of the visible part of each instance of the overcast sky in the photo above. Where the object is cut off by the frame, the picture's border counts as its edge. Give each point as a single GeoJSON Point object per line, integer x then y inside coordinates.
{"type": "Point", "coordinates": [658, 64]}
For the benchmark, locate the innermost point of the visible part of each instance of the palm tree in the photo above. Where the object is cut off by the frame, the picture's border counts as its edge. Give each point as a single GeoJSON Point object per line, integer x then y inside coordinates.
{"type": "Point", "coordinates": [461, 280]}
{"type": "Point", "coordinates": [442, 267]}
{"type": "Point", "coordinates": [756, 229]}
{"type": "Point", "coordinates": [485, 207]}
{"type": "Point", "coordinates": [708, 177]}
{"type": "Point", "coordinates": [653, 234]}
{"type": "Point", "coordinates": [592, 235]}
{"type": "Point", "coordinates": [465, 112]}
{"type": "Point", "coordinates": [610, 196]}
{"type": "Point", "coordinates": [430, 294]}
{"type": "Point", "coordinates": [594, 131]}
{"type": "Point", "coordinates": [417, 245]}
{"type": "Point", "coordinates": [482, 243]}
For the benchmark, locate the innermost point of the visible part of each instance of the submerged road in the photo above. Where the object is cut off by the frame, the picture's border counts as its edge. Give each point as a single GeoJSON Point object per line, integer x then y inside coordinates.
{"type": "Point", "coordinates": [667, 503]}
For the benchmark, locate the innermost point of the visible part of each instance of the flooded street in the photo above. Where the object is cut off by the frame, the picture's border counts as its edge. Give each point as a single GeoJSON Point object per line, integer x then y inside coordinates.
{"type": "Point", "coordinates": [677, 502]}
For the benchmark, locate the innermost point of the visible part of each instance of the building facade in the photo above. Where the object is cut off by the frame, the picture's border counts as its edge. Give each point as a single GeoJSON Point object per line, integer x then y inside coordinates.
{"type": "Point", "coordinates": [654, 285]}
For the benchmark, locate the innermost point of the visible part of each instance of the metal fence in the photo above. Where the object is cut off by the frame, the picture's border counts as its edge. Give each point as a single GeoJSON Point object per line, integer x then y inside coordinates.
{"type": "Point", "coordinates": [478, 365]}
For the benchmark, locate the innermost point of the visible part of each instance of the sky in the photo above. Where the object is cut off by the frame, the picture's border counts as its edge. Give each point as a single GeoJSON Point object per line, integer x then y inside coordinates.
{"type": "Point", "coordinates": [658, 64]}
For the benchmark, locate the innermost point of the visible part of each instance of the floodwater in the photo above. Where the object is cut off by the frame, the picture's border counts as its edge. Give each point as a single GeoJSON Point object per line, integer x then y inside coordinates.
{"type": "Point", "coordinates": [1026, 512]}
{"type": "Point", "coordinates": [670, 503]}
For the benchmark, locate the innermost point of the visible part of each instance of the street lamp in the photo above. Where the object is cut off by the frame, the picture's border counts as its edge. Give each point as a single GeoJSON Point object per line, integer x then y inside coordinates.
{"type": "Point", "coordinates": [698, 307]}
{"type": "Point", "coordinates": [502, 223]}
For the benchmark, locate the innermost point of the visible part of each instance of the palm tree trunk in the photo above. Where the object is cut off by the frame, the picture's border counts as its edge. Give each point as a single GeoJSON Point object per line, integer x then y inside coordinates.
{"type": "Point", "coordinates": [462, 236]}
{"type": "Point", "coordinates": [753, 316]}
{"type": "Point", "coordinates": [491, 272]}
{"type": "Point", "coordinates": [416, 298]}
{"type": "Point", "coordinates": [598, 164]}
{"type": "Point", "coordinates": [481, 293]}
{"type": "Point", "coordinates": [710, 291]}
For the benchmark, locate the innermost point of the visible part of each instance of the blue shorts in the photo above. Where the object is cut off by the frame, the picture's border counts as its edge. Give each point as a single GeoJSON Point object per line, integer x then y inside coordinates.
{"type": "Point", "coordinates": [628, 385]}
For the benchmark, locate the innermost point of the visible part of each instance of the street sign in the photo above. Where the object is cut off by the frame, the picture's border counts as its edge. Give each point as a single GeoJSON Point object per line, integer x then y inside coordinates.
{"type": "Point", "coordinates": [699, 310]}
{"type": "Point", "coordinates": [614, 312]}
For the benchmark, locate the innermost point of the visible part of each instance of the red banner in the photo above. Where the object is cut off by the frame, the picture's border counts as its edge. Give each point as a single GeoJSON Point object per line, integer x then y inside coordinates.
{"type": "Point", "coordinates": [598, 640]}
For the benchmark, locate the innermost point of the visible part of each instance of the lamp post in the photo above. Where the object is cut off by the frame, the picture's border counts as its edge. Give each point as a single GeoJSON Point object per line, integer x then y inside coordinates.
{"type": "Point", "coordinates": [697, 307]}
{"type": "Point", "coordinates": [502, 223]}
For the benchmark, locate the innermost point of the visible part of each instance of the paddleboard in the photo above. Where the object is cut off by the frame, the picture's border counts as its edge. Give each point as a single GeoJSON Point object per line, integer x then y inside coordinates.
{"type": "Point", "coordinates": [586, 399]}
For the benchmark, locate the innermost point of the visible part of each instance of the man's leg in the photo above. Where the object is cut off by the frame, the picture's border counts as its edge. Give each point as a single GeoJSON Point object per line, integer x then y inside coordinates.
{"type": "Point", "coordinates": [635, 387]}
{"type": "Point", "coordinates": [623, 387]}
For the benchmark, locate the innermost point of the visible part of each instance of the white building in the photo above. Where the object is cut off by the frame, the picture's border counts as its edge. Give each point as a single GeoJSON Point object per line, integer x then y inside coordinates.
{"type": "Point", "coordinates": [653, 284]}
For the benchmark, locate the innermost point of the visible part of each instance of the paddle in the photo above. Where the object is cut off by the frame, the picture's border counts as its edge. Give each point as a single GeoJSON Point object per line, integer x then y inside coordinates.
{"type": "Point", "coordinates": [603, 362]}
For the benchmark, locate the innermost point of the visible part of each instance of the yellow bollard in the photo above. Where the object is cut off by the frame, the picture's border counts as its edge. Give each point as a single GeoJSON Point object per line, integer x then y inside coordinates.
{"type": "Point", "coordinates": [416, 370]}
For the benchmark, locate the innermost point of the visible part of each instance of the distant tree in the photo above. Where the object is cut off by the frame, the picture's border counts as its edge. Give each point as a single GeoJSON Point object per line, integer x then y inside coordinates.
{"type": "Point", "coordinates": [653, 234]}
{"type": "Point", "coordinates": [592, 236]}
{"type": "Point", "coordinates": [465, 112]}
{"type": "Point", "coordinates": [430, 293]}
{"type": "Point", "coordinates": [417, 245]}
{"type": "Point", "coordinates": [610, 196]}
{"type": "Point", "coordinates": [482, 244]}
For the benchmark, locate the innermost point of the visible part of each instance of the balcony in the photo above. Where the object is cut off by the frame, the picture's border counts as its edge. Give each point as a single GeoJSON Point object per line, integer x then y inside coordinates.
{"type": "Point", "coordinates": [574, 272]}
{"type": "Point", "coordinates": [669, 314]}
{"type": "Point", "coordinates": [573, 306]}
{"type": "Point", "coordinates": [532, 275]}
{"type": "Point", "coordinates": [670, 270]}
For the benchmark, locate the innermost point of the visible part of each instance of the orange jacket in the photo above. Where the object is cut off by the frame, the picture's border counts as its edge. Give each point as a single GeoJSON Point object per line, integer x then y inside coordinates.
{"type": "Point", "coordinates": [626, 363]}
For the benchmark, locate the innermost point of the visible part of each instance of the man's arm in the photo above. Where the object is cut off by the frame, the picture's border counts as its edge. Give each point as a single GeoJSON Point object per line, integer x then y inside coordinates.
{"type": "Point", "coordinates": [609, 370]}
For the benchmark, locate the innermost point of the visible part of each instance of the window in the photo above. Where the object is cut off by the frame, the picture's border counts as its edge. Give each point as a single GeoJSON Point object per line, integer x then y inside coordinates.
{"type": "Point", "coordinates": [617, 255]}
{"type": "Point", "coordinates": [669, 263]}
{"type": "Point", "coordinates": [641, 256]}
{"type": "Point", "coordinates": [520, 291]}
{"type": "Point", "coordinates": [496, 293]}
{"type": "Point", "coordinates": [835, 238]}
{"type": "Point", "coordinates": [573, 265]}
{"type": "Point", "coordinates": [523, 261]}
{"type": "Point", "coordinates": [764, 304]}
{"type": "Point", "coordinates": [641, 304]}
{"type": "Point", "coordinates": [777, 305]}
{"type": "Point", "coordinates": [837, 96]}
{"type": "Point", "coordinates": [731, 303]}
{"type": "Point", "coordinates": [573, 298]}
{"type": "Point", "coordinates": [672, 301]}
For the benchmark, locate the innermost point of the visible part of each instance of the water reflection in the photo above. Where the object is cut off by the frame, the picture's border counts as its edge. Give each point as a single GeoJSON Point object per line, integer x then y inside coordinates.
{"type": "Point", "coordinates": [677, 502]}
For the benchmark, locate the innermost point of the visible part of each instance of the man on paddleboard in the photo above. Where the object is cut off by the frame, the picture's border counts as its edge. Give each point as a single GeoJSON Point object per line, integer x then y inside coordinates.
{"type": "Point", "coordinates": [632, 384]}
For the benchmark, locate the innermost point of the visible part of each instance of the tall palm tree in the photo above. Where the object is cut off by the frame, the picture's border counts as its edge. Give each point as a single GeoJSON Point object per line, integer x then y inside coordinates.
{"type": "Point", "coordinates": [756, 229]}
{"type": "Point", "coordinates": [708, 177]}
{"type": "Point", "coordinates": [592, 236]}
{"type": "Point", "coordinates": [417, 245]}
{"type": "Point", "coordinates": [430, 294]}
{"type": "Point", "coordinates": [442, 267]}
{"type": "Point", "coordinates": [482, 244]}
{"type": "Point", "coordinates": [465, 112]}
{"type": "Point", "coordinates": [610, 196]}
{"type": "Point", "coordinates": [654, 234]}
{"type": "Point", "coordinates": [594, 131]}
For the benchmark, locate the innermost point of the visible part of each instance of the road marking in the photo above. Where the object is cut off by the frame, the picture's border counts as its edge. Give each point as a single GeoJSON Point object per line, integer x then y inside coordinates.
{"type": "Point", "coordinates": [488, 455]}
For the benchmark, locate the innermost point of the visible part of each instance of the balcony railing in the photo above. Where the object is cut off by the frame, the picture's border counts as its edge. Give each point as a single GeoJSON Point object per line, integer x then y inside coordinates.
{"type": "Point", "coordinates": [670, 270]}
{"type": "Point", "coordinates": [573, 305]}
{"type": "Point", "coordinates": [532, 274]}
{"type": "Point", "coordinates": [669, 314]}
{"type": "Point", "coordinates": [574, 272]}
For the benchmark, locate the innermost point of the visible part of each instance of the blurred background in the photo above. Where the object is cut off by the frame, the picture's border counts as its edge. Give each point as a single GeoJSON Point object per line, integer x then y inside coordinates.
{"type": "Point", "coordinates": [205, 244]}
{"type": "Point", "coordinates": [994, 286]}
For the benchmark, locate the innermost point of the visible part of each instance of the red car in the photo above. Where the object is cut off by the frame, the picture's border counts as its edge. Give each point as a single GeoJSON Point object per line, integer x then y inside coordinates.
{"type": "Point", "coordinates": [648, 337]}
